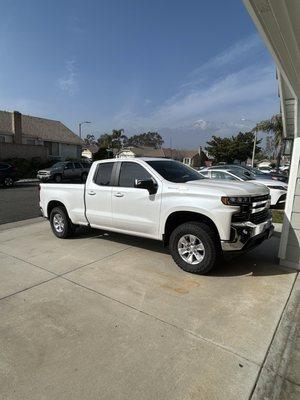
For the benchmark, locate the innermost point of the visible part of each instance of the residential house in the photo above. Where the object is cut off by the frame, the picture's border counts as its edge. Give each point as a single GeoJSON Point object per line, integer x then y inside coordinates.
{"type": "Point", "coordinates": [89, 150]}
{"type": "Point", "coordinates": [25, 136]}
{"type": "Point", "coordinates": [193, 158]}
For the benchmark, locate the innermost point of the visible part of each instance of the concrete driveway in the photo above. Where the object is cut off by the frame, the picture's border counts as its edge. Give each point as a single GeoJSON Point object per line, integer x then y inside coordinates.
{"type": "Point", "coordinates": [112, 317]}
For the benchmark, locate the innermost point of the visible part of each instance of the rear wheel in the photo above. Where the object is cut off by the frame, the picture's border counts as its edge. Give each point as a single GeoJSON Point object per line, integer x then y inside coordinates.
{"type": "Point", "coordinates": [61, 224]}
{"type": "Point", "coordinates": [194, 247]}
{"type": "Point", "coordinates": [8, 181]}
{"type": "Point", "coordinates": [57, 178]}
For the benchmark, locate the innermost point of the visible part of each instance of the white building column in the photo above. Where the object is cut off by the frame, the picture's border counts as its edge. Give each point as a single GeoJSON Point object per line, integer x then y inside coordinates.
{"type": "Point", "coordinates": [289, 250]}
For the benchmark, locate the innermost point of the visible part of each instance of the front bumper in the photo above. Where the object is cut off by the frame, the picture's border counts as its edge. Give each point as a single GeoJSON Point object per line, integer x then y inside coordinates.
{"type": "Point", "coordinates": [44, 177]}
{"type": "Point", "coordinates": [246, 235]}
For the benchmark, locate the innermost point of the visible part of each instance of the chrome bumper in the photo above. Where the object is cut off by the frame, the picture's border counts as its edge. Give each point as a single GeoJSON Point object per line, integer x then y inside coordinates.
{"type": "Point", "coordinates": [246, 235]}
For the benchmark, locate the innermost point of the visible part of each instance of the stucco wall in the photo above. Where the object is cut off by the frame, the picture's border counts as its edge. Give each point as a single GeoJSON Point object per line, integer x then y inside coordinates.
{"type": "Point", "coordinates": [10, 150]}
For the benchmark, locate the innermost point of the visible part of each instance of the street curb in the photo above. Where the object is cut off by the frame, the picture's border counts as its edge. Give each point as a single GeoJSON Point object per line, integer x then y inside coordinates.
{"type": "Point", "coordinates": [33, 180]}
{"type": "Point", "coordinates": [18, 224]}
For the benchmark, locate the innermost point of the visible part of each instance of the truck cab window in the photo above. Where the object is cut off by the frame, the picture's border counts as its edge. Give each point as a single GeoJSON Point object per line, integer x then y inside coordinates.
{"type": "Point", "coordinates": [103, 174]}
{"type": "Point", "coordinates": [130, 171]}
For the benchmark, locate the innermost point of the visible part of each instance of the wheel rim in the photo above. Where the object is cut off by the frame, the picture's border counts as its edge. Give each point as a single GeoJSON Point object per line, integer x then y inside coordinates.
{"type": "Point", "coordinates": [8, 181]}
{"type": "Point", "coordinates": [58, 178]}
{"type": "Point", "coordinates": [191, 249]}
{"type": "Point", "coordinates": [58, 223]}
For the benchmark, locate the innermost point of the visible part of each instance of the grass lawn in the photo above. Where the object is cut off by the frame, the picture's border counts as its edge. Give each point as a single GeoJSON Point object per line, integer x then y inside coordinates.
{"type": "Point", "coordinates": [277, 216]}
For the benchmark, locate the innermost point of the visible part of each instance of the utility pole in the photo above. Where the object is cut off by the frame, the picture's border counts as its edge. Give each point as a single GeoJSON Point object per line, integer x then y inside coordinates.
{"type": "Point", "coordinates": [80, 124]}
{"type": "Point", "coordinates": [254, 147]}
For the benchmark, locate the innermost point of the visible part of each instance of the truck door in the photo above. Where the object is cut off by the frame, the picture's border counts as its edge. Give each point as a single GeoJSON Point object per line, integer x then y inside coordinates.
{"type": "Point", "coordinates": [135, 210]}
{"type": "Point", "coordinates": [98, 196]}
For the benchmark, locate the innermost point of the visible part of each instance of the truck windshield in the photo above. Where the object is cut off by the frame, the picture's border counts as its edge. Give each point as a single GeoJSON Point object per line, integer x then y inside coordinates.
{"type": "Point", "coordinates": [175, 171]}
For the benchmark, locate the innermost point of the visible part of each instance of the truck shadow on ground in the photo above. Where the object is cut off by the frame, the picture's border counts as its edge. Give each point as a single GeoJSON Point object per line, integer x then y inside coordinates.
{"type": "Point", "coordinates": [261, 261]}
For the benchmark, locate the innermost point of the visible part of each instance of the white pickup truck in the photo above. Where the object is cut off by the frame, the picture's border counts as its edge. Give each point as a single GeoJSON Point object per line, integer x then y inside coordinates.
{"type": "Point", "coordinates": [165, 200]}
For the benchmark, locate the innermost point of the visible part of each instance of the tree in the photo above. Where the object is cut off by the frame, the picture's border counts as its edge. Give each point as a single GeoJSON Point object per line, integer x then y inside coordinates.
{"type": "Point", "coordinates": [101, 154]}
{"type": "Point", "coordinates": [274, 125]}
{"type": "Point", "coordinates": [89, 139]}
{"type": "Point", "coordinates": [270, 147]}
{"type": "Point", "coordinates": [116, 139]}
{"type": "Point", "coordinates": [151, 139]}
{"type": "Point", "coordinates": [235, 148]}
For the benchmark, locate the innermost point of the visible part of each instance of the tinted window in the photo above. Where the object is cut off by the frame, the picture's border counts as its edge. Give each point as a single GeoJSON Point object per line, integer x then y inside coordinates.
{"type": "Point", "coordinates": [86, 165]}
{"type": "Point", "coordinates": [69, 166]}
{"type": "Point", "coordinates": [130, 172]}
{"type": "Point", "coordinates": [103, 177]}
{"type": "Point", "coordinates": [175, 171]}
{"type": "Point", "coordinates": [77, 165]}
{"type": "Point", "coordinates": [222, 175]}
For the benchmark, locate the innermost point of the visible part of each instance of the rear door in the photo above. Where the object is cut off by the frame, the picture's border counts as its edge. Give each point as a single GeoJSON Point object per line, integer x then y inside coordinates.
{"type": "Point", "coordinates": [135, 210]}
{"type": "Point", "coordinates": [98, 196]}
{"type": "Point", "coordinates": [69, 170]}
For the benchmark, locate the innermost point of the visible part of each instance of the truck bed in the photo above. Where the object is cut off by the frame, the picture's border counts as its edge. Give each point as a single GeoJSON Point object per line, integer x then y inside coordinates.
{"type": "Point", "coordinates": [69, 194]}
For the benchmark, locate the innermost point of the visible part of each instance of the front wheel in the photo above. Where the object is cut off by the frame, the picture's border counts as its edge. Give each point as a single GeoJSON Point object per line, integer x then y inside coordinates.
{"type": "Point", "coordinates": [194, 247]}
{"type": "Point", "coordinates": [61, 224]}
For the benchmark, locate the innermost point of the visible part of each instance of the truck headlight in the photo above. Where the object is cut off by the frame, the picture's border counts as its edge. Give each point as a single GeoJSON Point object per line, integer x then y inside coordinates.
{"type": "Point", "coordinates": [235, 201]}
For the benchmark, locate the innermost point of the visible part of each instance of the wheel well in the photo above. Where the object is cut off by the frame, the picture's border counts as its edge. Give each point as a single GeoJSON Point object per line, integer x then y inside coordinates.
{"type": "Point", "coordinates": [179, 217]}
{"type": "Point", "coordinates": [52, 204]}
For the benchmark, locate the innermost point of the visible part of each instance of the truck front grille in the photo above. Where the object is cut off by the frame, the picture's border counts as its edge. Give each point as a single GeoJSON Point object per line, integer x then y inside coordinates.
{"type": "Point", "coordinates": [259, 217]}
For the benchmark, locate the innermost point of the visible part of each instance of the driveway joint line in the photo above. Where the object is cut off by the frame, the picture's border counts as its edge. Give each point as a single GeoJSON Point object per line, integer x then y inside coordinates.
{"type": "Point", "coordinates": [92, 262]}
{"type": "Point", "coordinates": [272, 340]}
{"type": "Point", "coordinates": [28, 288]}
{"type": "Point", "coordinates": [28, 262]}
{"type": "Point", "coordinates": [199, 337]}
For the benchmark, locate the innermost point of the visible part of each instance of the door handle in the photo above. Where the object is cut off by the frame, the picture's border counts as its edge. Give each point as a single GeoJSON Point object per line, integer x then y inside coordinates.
{"type": "Point", "coordinates": [91, 192]}
{"type": "Point", "coordinates": [118, 194]}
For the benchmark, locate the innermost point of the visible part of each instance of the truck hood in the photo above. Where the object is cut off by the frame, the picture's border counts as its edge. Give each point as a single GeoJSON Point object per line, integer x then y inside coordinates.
{"type": "Point", "coordinates": [230, 188]}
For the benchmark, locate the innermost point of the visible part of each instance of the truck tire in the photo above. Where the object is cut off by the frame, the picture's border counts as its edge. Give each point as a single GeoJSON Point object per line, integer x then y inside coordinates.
{"type": "Point", "coordinates": [194, 247]}
{"type": "Point", "coordinates": [61, 224]}
{"type": "Point", "coordinates": [57, 178]}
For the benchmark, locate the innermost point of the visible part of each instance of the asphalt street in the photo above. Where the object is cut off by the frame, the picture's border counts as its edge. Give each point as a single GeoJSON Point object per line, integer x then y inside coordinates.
{"type": "Point", "coordinates": [19, 203]}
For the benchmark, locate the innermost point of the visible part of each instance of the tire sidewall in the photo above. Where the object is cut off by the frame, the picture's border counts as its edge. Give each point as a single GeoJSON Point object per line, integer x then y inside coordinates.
{"type": "Point", "coordinates": [66, 231]}
{"type": "Point", "coordinates": [207, 237]}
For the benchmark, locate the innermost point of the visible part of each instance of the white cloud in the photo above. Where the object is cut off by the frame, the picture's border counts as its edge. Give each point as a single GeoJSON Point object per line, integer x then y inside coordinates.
{"type": "Point", "coordinates": [238, 83]}
{"type": "Point", "coordinates": [69, 82]}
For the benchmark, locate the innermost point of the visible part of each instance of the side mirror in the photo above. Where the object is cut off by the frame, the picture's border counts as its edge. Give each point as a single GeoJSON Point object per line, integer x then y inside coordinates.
{"type": "Point", "coordinates": [147, 184]}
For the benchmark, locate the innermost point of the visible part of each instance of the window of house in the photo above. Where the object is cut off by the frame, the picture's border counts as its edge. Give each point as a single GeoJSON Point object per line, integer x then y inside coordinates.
{"type": "Point", "coordinates": [103, 174]}
{"type": "Point", "coordinates": [30, 141]}
{"type": "Point", "coordinates": [2, 138]}
{"type": "Point", "coordinates": [53, 148]}
{"type": "Point", "coordinates": [131, 171]}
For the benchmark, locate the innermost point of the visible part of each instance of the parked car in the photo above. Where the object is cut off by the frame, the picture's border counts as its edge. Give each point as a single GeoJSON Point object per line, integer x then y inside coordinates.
{"type": "Point", "coordinates": [277, 189]}
{"type": "Point", "coordinates": [165, 200]}
{"type": "Point", "coordinates": [252, 171]}
{"type": "Point", "coordinates": [65, 170]}
{"type": "Point", "coordinates": [8, 174]}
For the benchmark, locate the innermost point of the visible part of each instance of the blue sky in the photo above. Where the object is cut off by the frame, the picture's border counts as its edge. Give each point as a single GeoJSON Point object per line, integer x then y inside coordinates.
{"type": "Point", "coordinates": [185, 68]}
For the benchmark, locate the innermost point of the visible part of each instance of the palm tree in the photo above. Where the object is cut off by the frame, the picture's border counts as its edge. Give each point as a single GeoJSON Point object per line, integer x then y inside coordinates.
{"type": "Point", "coordinates": [274, 125]}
